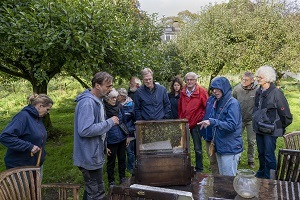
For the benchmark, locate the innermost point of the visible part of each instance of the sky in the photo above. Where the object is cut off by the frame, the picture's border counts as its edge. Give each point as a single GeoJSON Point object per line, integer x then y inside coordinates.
{"type": "Point", "coordinates": [166, 8]}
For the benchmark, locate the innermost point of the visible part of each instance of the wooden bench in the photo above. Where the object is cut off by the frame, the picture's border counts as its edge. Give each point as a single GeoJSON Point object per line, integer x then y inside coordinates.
{"type": "Point", "coordinates": [24, 183]}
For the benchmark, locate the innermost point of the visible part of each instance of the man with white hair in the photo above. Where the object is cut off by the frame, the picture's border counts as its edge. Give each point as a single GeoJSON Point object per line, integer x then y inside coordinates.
{"type": "Point", "coordinates": [191, 106]}
{"type": "Point", "coordinates": [134, 84]}
{"type": "Point", "coordinates": [151, 100]}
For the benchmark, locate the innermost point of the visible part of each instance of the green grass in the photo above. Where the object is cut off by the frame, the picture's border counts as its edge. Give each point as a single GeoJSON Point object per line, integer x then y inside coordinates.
{"type": "Point", "coordinates": [58, 166]}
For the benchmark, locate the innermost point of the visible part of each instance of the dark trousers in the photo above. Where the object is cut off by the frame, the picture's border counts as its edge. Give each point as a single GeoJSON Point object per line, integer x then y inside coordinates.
{"type": "Point", "coordinates": [197, 148]}
{"type": "Point", "coordinates": [94, 185]}
{"type": "Point", "coordinates": [117, 150]}
{"type": "Point", "coordinates": [266, 146]}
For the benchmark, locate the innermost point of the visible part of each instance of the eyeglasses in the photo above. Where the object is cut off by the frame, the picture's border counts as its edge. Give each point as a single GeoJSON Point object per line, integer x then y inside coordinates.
{"type": "Point", "coordinates": [259, 77]}
{"type": "Point", "coordinates": [245, 80]}
{"type": "Point", "coordinates": [190, 80]}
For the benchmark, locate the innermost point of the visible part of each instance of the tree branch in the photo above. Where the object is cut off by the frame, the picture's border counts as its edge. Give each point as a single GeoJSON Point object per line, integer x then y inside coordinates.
{"type": "Point", "coordinates": [11, 72]}
{"type": "Point", "coordinates": [80, 81]}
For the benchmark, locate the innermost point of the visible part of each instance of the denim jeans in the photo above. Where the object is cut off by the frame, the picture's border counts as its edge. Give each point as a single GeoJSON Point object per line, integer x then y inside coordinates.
{"type": "Point", "coordinates": [197, 148]}
{"type": "Point", "coordinates": [228, 164]}
{"type": "Point", "coordinates": [94, 185]}
{"type": "Point", "coordinates": [131, 156]}
{"type": "Point", "coordinates": [266, 146]}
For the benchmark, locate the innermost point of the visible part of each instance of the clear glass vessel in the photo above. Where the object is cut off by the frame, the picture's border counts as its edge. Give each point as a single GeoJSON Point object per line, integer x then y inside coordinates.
{"type": "Point", "coordinates": [246, 184]}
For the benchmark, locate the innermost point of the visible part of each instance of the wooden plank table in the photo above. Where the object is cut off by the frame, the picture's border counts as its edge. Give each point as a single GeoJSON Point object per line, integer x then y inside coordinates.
{"type": "Point", "coordinates": [207, 186]}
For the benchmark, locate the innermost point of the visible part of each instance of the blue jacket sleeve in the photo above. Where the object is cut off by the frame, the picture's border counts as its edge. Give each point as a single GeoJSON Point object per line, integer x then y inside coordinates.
{"type": "Point", "coordinates": [167, 105]}
{"type": "Point", "coordinates": [137, 106]}
{"type": "Point", "coordinates": [10, 137]}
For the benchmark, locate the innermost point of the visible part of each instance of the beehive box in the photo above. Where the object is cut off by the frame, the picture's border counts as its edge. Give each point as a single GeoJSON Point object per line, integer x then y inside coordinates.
{"type": "Point", "coordinates": [163, 153]}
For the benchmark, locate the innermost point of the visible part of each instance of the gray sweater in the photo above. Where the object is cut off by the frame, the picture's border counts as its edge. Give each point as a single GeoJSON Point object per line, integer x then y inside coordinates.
{"type": "Point", "coordinates": [246, 98]}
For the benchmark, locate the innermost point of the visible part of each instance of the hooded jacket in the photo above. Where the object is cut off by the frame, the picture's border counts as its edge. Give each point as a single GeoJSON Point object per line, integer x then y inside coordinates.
{"type": "Point", "coordinates": [246, 98]}
{"type": "Point", "coordinates": [192, 108]}
{"type": "Point", "coordinates": [24, 131]}
{"type": "Point", "coordinates": [225, 119]}
{"type": "Point", "coordinates": [129, 118]}
{"type": "Point", "coordinates": [90, 127]}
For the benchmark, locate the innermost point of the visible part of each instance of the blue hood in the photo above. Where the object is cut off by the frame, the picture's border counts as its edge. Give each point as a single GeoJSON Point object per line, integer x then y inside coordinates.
{"type": "Point", "coordinates": [222, 84]}
{"type": "Point", "coordinates": [31, 110]}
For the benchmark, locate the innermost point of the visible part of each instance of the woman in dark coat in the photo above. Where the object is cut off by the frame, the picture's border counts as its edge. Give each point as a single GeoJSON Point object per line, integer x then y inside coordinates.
{"type": "Point", "coordinates": [25, 136]}
{"type": "Point", "coordinates": [176, 87]}
{"type": "Point", "coordinates": [271, 115]}
{"type": "Point", "coordinates": [116, 139]}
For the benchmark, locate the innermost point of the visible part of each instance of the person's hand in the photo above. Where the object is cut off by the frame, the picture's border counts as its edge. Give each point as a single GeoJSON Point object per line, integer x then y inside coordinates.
{"type": "Point", "coordinates": [127, 142]}
{"type": "Point", "coordinates": [35, 149]}
{"type": "Point", "coordinates": [108, 152]}
{"type": "Point", "coordinates": [204, 123]}
{"type": "Point", "coordinates": [115, 119]}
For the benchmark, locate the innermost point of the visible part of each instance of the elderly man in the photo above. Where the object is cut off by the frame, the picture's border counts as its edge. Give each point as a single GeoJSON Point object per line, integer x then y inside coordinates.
{"type": "Point", "coordinates": [191, 106]}
{"type": "Point", "coordinates": [134, 84]}
{"type": "Point", "coordinates": [245, 94]}
{"type": "Point", "coordinates": [151, 100]}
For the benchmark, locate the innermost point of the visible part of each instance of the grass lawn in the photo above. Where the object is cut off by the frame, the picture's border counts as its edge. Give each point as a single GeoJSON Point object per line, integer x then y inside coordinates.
{"type": "Point", "coordinates": [58, 166]}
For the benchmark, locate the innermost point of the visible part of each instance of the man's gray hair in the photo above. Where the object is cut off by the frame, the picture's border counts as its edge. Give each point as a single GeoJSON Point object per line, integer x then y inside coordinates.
{"type": "Point", "coordinates": [147, 71]}
{"type": "Point", "coordinates": [192, 74]}
{"type": "Point", "coordinates": [136, 80]}
{"type": "Point", "coordinates": [249, 74]}
{"type": "Point", "coordinates": [268, 72]}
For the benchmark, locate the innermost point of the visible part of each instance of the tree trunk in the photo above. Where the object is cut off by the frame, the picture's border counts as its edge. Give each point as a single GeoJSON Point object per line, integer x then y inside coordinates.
{"type": "Point", "coordinates": [42, 89]}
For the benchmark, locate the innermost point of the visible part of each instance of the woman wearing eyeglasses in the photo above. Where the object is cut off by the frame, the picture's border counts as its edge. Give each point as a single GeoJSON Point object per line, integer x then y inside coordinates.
{"type": "Point", "coordinates": [271, 115]}
{"type": "Point", "coordinates": [116, 139]}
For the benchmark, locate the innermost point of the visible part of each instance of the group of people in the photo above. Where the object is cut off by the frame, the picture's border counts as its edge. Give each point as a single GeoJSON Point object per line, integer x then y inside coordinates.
{"type": "Point", "coordinates": [104, 123]}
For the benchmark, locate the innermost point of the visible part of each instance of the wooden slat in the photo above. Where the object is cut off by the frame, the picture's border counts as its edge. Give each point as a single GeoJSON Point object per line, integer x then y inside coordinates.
{"type": "Point", "coordinates": [63, 189]}
{"type": "Point", "coordinates": [288, 165]}
{"type": "Point", "coordinates": [292, 140]}
{"type": "Point", "coordinates": [22, 183]}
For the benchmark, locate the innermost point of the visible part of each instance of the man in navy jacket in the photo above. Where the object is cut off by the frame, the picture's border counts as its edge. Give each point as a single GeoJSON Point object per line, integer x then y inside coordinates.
{"type": "Point", "coordinates": [151, 100]}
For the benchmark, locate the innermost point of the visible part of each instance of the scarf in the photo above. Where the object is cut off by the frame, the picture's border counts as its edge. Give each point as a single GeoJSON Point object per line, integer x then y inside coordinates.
{"type": "Point", "coordinates": [111, 110]}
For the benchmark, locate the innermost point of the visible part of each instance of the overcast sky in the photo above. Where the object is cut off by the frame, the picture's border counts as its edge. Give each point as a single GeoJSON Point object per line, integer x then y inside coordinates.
{"type": "Point", "coordinates": [173, 7]}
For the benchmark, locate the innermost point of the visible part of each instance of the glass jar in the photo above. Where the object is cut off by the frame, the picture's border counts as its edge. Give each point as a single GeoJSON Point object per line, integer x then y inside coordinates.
{"type": "Point", "coordinates": [246, 184]}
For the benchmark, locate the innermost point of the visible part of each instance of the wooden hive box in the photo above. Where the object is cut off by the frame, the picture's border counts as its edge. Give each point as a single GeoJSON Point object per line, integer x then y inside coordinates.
{"type": "Point", "coordinates": [163, 153]}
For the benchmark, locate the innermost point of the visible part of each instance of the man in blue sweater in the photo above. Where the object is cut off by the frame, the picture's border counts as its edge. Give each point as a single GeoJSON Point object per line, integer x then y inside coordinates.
{"type": "Point", "coordinates": [90, 127]}
{"type": "Point", "coordinates": [151, 100]}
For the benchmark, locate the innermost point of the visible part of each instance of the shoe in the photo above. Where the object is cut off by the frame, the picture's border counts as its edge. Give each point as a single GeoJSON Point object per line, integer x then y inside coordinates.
{"type": "Point", "coordinates": [112, 183]}
{"type": "Point", "coordinates": [123, 180]}
{"type": "Point", "coordinates": [251, 165]}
